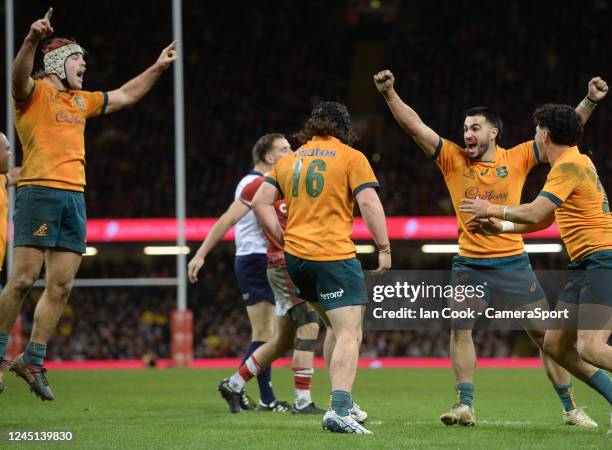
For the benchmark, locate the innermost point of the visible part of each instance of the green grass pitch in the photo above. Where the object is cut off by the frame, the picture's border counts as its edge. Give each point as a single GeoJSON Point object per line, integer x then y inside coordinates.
{"type": "Point", "coordinates": [180, 408]}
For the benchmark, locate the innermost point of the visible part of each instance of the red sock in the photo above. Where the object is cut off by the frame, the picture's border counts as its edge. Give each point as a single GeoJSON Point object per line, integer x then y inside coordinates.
{"type": "Point", "coordinates": [302, 378]}
{"type": "Point", "coordinates": [249, 369]}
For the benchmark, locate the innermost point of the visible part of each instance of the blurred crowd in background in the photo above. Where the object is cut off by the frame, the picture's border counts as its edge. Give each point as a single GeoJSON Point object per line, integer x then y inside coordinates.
{"type": "Point", "coordinates": [258, 69]}
{"type": "Point", "coordinates": [134, 322]}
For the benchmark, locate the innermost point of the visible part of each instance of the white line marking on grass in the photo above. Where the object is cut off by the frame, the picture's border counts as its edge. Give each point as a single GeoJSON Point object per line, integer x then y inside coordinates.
{"type": "Point", "coordinates": [290, 423]}
{"type": "Point", "coordinates": [505, 422]}
{"type": "Point", "coordinates": [420, 422]}
{"type": "Point", "coordinates": [480, 422]}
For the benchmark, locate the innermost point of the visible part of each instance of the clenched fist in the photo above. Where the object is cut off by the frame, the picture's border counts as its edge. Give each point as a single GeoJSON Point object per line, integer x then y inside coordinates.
{"type": "Point", "coordinates": [384, 81]}
{"type": "Point", "coordinates": [598, 89]}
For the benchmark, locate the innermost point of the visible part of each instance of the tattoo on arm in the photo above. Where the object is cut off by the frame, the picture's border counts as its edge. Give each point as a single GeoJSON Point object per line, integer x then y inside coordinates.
{"type": "Point", "coordinates": [588, 104]}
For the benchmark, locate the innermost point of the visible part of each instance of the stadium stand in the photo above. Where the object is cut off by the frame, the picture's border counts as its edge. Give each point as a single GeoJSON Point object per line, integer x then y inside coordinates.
{"type": "Point", "coordinates": [259, 81]}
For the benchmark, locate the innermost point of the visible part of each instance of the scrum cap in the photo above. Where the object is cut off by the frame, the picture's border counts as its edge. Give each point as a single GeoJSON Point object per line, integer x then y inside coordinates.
{"type": "Point", "coordinates": [56, 53]}
{"type": "Point", "coordinates": [334, 112]}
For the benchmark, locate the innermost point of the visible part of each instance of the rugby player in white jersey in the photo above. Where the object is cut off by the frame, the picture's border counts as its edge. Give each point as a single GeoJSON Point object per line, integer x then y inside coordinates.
{"type": "Point", "coordinates": [250, 264]}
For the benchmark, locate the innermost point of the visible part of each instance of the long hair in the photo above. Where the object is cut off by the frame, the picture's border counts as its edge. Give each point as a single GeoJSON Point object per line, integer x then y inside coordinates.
{"type": "Point", "coordinates": [328, 119]}
{"type": "Point", "coordinates": [325, 127]}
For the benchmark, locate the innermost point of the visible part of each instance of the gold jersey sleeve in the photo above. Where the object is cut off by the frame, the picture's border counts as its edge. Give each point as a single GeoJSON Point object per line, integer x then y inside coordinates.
{"type": "Point", "coordinates": [524, 157]}
{"type": "Point", "coordinates": [449, 157]}
{"type": "Point", "coordinates": [319, 183]}
{"type": "Point", "coordinates": [583, 213]}
{"type": "Point", "coordinates": [51, 128]}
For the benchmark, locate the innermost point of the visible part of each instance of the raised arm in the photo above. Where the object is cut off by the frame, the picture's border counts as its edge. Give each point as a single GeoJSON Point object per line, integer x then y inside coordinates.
{"type": "Point", "coordinates": [132, 91]}
{"type": "Point", "coordinates": [407, 117]}
{"type": "Point", "coordinates": [374, 217]}
{"type": "Point", "coordinates": [234, 213]}
{"type": "Point", "coordinates": [263, 207]}
{"type": "Point", "coordinates": [597, 90]}
{"type": "Point", "coordinates": [23, 83]}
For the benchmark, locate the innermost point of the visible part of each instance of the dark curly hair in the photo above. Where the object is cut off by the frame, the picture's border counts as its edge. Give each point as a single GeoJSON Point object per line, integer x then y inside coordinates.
{"type": "Point", "coordinates": [562, 122]}
{"type": "Point", "coordinates": [325, 127]}
{"type": "Point", "coordinates": [328, 119]}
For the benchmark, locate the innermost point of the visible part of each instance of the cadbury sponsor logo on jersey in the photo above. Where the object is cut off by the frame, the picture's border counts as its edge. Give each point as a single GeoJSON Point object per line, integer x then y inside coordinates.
{"type": "Point", "coordinates": [492, 195]}
{"type": "Point", "coordinates": [64, 117]}
{"type": "Point", "coordinates": [473, 192]}
{"type": "Point", "coordinates": [315, 152]}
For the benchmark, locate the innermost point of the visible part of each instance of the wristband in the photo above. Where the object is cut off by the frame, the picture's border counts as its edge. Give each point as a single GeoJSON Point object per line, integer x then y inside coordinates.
{"type": "Point", "coordinates": [504, 213]}
{"type": "Point", "coordinates": [507, 226]}
{"type": "Point", "coordinates": [385, 248]}
{"type": "Point", "coordinates": [588, 99]}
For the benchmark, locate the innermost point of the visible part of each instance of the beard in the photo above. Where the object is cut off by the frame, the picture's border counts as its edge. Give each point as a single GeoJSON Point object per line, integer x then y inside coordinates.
{"type": "Point", "coordinates": [482, 149]}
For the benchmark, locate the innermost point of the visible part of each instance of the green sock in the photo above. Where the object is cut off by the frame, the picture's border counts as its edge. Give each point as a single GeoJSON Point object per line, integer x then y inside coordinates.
{"type": "Point", "coordinates": [465, 393]}
{"type": "Point", "coordinates": [4, 338]}
{"type": "Point", "coordinates": [341, 402]}
{"type": "Point", "coordinates": [34, 353]}
{"type": "Point", "coordinates": [601, 383]}
{"type": "Point", "coordinates": [566, 395]}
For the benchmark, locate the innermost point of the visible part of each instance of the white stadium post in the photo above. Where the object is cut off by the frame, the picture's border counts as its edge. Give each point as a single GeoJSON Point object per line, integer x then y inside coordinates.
{"type": "Point", "coordinates": [10, 127]}
{"type": "Point", "coordinates": [182, 320]}
{"type": "Point", "coordinates": [15, 346]}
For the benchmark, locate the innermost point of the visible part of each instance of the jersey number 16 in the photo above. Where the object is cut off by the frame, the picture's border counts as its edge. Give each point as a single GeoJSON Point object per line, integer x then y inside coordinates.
{"type": "Point", "coordinates": [314, 177]}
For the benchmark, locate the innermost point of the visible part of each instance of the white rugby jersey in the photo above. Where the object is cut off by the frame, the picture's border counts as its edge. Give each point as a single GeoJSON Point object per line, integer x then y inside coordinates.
{"type": "Point", "coordinates": [250, 237]}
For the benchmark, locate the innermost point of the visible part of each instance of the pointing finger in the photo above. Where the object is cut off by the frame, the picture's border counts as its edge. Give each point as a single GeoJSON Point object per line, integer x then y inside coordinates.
{"type": "Point", "coordinates": [48, 14]}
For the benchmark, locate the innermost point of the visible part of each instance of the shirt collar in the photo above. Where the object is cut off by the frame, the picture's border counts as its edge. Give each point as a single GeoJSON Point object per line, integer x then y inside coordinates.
{"type": "Point", "coordinates": [325, 138]}
{"type": "Point", "coordinates": [570, 151]}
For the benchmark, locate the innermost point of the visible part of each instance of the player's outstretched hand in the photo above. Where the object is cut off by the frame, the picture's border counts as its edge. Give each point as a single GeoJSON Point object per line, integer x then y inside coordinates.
{"type": "Point", "coordinates": [384, 81]}
{"type": "Point", "coordinates": [489, 226]}
{"type": "Point", "coordinates": [477, 206]}
{"type": "Point", "coordinates": [168, 56]}
{"type": "Point", "coordinates": [194, 267]}
{"type": "Point", "coordinates": [41, 29]}
{"type": "Point", "coordinates": [598, 89]}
